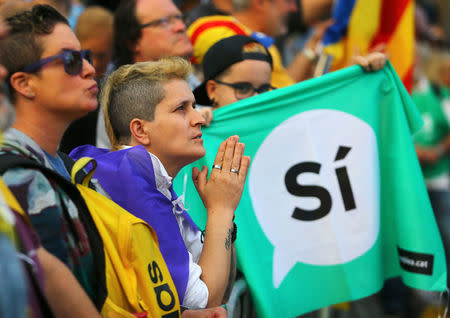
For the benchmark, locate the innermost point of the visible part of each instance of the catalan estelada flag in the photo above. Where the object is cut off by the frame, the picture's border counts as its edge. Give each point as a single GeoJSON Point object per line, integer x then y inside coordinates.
{"type": "Point", "coordinates": [364, 24]}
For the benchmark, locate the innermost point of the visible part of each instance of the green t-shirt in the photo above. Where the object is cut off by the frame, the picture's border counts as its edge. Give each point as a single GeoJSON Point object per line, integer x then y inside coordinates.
{"type": "Point", "coordinates": [436, 126]}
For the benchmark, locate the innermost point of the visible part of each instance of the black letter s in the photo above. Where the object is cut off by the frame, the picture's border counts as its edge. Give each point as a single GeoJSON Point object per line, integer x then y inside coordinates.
{"type": "Point", "coordinates": [152, 270]}
{"type": "Point", "coordinates": [307, 191]}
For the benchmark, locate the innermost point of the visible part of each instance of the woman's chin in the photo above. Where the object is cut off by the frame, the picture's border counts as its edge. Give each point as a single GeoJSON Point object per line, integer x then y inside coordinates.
{"type": "Point", "coordinates": [198, 155]}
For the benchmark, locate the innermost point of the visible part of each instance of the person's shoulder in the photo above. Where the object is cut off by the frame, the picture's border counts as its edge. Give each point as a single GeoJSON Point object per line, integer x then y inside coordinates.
{"type": "Point", "coordinates": [15, 142]}
{"type": "Point", "coordinates": [17, 175]}
{"type": "Point", "coordinates": [130, 162]}
{"type": "Point", "coordinates": [264, 39]}
{"type": "Point", "coordinates": [87, 151]}
{"type": "Point", "coordinates": [32, 189]}
{"type": "Point", "coordinates": [140, 161]}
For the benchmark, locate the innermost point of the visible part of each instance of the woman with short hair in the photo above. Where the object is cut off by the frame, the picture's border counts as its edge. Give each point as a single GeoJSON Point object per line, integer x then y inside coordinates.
{"type": "Point", "coordinates": [155, 131]}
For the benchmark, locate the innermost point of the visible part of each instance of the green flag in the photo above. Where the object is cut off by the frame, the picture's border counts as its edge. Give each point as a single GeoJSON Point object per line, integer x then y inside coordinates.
{"type": "Point", "coordinates": [335, 202]}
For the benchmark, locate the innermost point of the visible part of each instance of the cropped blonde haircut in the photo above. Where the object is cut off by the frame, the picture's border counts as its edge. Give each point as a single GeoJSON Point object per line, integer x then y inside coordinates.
{"type": "Point", "coordinates": [133, 91]}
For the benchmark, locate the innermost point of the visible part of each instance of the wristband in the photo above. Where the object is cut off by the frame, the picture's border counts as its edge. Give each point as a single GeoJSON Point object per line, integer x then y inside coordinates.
{"type": "Point", "coordinates": [309, 53]}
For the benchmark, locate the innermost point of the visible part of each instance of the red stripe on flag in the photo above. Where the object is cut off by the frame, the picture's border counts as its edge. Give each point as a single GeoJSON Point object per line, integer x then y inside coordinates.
{"type": "Point", "coordinates": [194, 60]}
{"type": "Point", "coordinates": [207, 25]}
{"type": "Point", "coordinates": [390, 15]}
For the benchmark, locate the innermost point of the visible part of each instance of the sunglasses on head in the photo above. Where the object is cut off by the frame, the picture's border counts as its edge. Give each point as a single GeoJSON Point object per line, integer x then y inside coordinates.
{"type": "Point", "coordinates": [73, 61]}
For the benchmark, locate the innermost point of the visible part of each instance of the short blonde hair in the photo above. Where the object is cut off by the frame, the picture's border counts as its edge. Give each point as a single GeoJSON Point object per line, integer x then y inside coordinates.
{"type": "Point", "coordinates": [94, 21]}
{"type": "Point", "coordinates": [134, 90]}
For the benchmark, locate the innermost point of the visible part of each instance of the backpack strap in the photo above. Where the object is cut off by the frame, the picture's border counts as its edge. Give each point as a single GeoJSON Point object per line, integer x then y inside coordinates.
{"type": "Point", "coordinates": [9, 161]}
{"type": "Point", "coordinates": [80, 172]}
{"type": "Point", "coordinates": [81, 164]}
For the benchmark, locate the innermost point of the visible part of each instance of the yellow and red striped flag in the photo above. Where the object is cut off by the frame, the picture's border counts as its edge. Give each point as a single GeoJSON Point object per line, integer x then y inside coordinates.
{"type": "Point", "coordinates": [362, 25]}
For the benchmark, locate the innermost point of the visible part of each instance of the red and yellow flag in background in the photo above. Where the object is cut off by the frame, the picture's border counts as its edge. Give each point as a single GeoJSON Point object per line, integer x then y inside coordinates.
{"type": "Point", "coordinates": [363, 25]}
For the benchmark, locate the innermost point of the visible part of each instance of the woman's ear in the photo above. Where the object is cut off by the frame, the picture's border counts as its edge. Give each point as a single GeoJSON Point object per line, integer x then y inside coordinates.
{"type": "Point", "coordinates": [140, 132]}
{"type": "Point", "coordinates": [23, 84]}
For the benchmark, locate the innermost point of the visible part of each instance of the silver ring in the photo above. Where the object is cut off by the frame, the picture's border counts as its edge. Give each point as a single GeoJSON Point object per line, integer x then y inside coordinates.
{"type": "Point", "coordinates": [234, 170]}
{"type": "Point", "coordinates": [217, 167]}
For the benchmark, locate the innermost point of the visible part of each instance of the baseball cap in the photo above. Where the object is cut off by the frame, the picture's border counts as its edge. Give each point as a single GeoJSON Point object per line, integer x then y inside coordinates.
{"type": "Point", "coordinates": [223, 55]}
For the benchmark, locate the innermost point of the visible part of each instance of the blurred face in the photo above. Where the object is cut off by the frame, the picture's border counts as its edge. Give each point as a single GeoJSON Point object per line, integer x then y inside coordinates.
{"type": "Point", "coordinates": [162, 39]}
{"type": "Point", "coordinates": [277, 12]}
{"type": "Point", "coordinates": [175, 132]}
{"type": "Point", "coordinates": [255, 72]}
{"type": "Point", "coordinates": [101, 45]}
{"type": "Point", "coordinates": [6, 109]}
{"type": "Point", "coordinates": [58, 93]}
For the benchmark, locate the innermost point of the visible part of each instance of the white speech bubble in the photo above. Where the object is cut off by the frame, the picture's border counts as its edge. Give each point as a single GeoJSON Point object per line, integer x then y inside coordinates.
{"type": "Point", "coordinates": [340, 236]}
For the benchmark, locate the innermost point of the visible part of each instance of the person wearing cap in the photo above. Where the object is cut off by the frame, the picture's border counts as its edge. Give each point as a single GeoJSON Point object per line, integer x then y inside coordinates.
{"type": "Point", "coordinates": [264, 21]}
{"type": "Point", "coordinates": [207, 31]}
{"type": "Point", "coordinates": [239, 67]}
{"type": "Point", "coordinates": [234, 68]}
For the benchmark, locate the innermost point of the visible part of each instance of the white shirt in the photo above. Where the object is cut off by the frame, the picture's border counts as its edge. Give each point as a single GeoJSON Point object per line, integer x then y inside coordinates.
{"type": "Point", "coordinates": [102, 140]}
{"type": "Point", "coordinates": [197, 293]}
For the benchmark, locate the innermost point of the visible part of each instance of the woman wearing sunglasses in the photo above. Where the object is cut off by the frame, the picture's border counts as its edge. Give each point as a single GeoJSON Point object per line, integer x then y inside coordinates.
{"type": "Point", "coordinates": [51, 83]}
{"type": "Point", "coordinates": [234, 68]}
{"type": "Point", "coordinates": [239, 67]}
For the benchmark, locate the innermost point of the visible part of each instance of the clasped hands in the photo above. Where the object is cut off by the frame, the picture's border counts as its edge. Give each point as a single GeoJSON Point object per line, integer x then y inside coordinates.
{"type": "Point", "coordinates": [223, 189]}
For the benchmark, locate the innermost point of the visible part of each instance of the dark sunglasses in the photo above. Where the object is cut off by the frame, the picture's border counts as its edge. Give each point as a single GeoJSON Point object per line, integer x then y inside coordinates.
{"type": "Point", "coordinates": [245, 89]}
{"type": "Point", "coordinates": [73, 61]}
